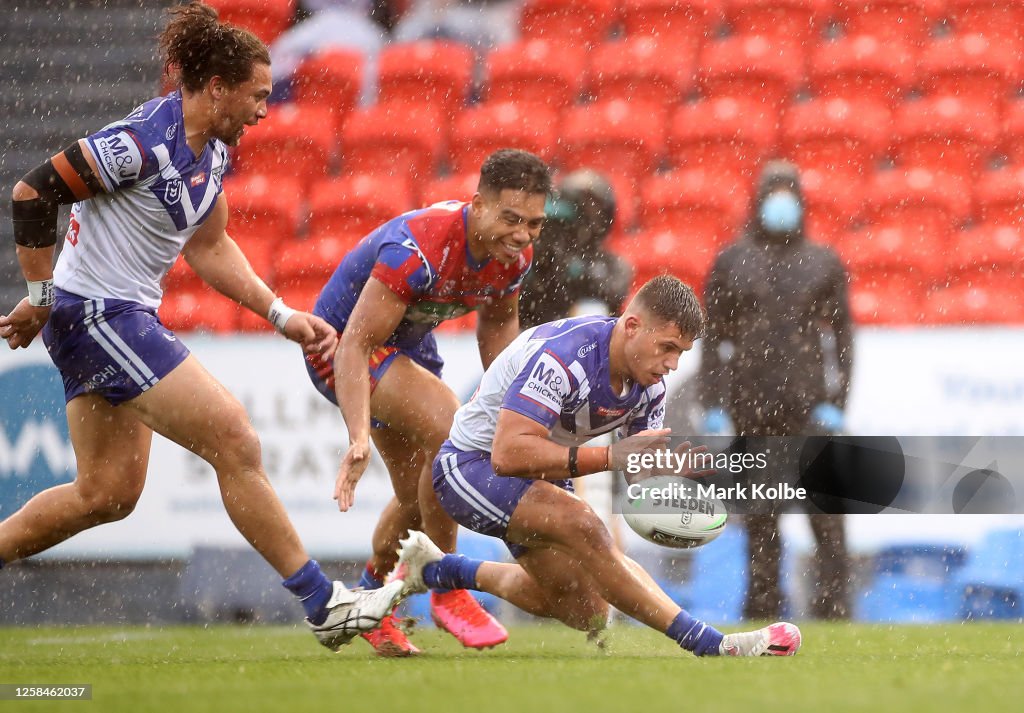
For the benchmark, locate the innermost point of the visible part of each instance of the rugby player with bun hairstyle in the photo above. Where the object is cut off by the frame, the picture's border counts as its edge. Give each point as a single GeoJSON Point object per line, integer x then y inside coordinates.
{"type": "Point", "coordinates": [146, 189]}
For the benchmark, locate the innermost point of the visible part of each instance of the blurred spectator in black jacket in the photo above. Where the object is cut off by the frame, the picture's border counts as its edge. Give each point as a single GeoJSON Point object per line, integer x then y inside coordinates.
{"type": "Point", "coordinates": [572, 271]}
{"type": "Point", "coordinates": [777, 310]}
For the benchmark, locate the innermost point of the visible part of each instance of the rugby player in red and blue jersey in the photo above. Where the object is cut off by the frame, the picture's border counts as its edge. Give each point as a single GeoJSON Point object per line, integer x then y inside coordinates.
{"type": "Point", "coordinates": [385, 299]}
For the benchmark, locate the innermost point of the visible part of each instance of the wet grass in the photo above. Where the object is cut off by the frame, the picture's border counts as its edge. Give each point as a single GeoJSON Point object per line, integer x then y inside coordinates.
{"type": "Point", "coordinates": [542, 668]}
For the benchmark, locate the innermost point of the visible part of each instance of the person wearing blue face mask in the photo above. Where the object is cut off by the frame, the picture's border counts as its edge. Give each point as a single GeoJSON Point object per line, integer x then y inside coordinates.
{"type": "Point", "coordinates": [778, 313]}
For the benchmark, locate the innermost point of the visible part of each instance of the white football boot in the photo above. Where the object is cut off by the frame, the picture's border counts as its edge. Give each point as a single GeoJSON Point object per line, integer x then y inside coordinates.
{"type": "Point", "coordinates": [415, 553]}
{"type": "Point", "coordinates": [778, 639]}
{"type": "Point", "coordinates": [351, 613]}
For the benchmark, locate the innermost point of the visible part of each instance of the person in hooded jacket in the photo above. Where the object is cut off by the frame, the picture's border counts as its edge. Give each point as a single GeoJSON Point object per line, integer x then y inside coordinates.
{"type": "Point", "coordinates": [777, 312]}
{"type": "Point", "coordinates": [572, 269]}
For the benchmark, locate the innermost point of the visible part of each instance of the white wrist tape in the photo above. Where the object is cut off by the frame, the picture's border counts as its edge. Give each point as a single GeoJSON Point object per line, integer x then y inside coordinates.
{"type": "Point", "coordinates": [41, 293]}
{"type": "Point", "coordinates": [279, 313]}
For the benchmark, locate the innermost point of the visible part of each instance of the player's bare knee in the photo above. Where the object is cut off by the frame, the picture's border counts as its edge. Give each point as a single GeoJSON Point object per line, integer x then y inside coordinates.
{"type": "Point", "coordinates": [237, 448]}
{"type": "Point", "coordinates": [585, 530]}
{"type": "Point", "coordinates": [104, 505]}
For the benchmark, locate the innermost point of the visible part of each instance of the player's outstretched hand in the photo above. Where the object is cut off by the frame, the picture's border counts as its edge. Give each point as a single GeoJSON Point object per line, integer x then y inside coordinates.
{"type": "Point", "coordinates": [687, 452]}
{"type": "Point", "coordinates": [22, 325]}
{"type": "Point", "coordinates": [638, 443]}
{"type": "Point", "coordinates": [313, 333]}
{"type": "Point", "coordinates": [353, 465]}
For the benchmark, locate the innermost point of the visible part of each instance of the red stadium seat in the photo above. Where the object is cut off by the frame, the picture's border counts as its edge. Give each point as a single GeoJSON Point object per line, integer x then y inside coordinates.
{"type": "Point", "coordinates": [295, 140]}
{"type": "Point", "coordinates": [888, 303]}
{"type": "Point", "coordinates": [426, 72]}
{"type": "Point", "coordinates": [332, 80]}
{"type": "Point", "coordinates": [356, 204]}
{"type": "Point", "coordinates": [456, 187]}
{"type": "Point", "coordinates": [264, 18]}
{"type": "Point", "coordinates": [483, 129]}
{"type": "Point", "coordinates": [705, 207]}
{"type": "Point", "coordinates": [301, 295]}
{"type": "Point", "coordinates": [842, 137]}
{"type": "Point", "coordinates": [910, 219]}
{"type": "Point", "coordinates": [890, 20]}
{"type": "Point", "coordinates": [575, 23]}
{"type": "Point", "coordinates": [999, 196]}
{"type": "Point", "coordinates": [833, 204]}
{"type": "Point", "coordinates": [974, 304]}
{"type": "Point", "coordinates": [928, 204]}
{"type": "Point", "coordinates": [618, 137]}
{"type": "Point", "coordinates": [535, 73]}
{"type": "Point", "coordinates": [988, 248]}
{"type": "Point", "coordinates": [390, 140]}
{"type": "Point", "coordinates": [302, 261]}
{"type": "Point", "coordinates": [200, 310]}
{"type": "Point", "coordinates": [798, 21]}
{"type": "Point", "coordinates": [264, 207]}
{"type": "Point", "coordinates": [1012, 140]}
{"type": "Point", "coordinates": [879, 254]}
{"type": "Point", "coordinates": [946, 134]}
{"type": "Point", "coordinates": [751, 67]}
{"type": "Point", "coordinates": [863, 67]}
{"type": "Point", "coordinates": [181, 277]}
{"type": "Point", "coordinates": [971, 67]}
{"type": "Point", "coordinates": [722, 135]}
{"type": "Point", "coordinates": [641, 69]}
{"type": "Point", "coordinates": [998, 20]}
{"type": "Point", "coordinates": [682, 24]}
{"type": "Point", "coordinates": [686, 255]}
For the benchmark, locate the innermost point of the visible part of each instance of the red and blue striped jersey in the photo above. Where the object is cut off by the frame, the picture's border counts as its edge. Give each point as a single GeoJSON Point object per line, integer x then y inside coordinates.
{"type": "Point", "coordinates": [423, 257]}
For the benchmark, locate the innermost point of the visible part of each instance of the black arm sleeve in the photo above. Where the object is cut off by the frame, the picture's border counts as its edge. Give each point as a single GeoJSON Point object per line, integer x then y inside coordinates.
{"type": "Point", "coordinates": [35, 220]}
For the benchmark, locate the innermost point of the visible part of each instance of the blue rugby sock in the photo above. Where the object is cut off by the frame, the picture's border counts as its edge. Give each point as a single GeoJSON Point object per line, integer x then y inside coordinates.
{"type": "Point", "coordinates": [370, 579]}
{"type": "Point", "coordinates": [313, 589]}
{"type": "Point", "coordinates": [452, 572]}
{"type": "Point", "coordinates": [694, 635]}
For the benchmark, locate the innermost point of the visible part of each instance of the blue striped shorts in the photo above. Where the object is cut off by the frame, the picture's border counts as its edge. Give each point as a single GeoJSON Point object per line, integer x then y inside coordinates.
{"type": "Point", "coordinates": [475, 496]}
{"type": "Point", "coordinates": [115, 348]}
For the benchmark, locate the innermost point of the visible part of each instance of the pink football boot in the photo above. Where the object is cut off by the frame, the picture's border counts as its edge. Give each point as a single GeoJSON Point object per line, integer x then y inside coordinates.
{"type": "Point", "coordinates": [778, 639]}
{"type": "Point", "coordinates": [458, 613]}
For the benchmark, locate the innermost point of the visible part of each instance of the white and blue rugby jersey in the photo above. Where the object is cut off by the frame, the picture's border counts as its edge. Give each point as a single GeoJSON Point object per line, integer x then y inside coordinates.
{"type": "Point", "coordinates": [121, 243]}
{"type": "Point", "coordinates": [557, 374]}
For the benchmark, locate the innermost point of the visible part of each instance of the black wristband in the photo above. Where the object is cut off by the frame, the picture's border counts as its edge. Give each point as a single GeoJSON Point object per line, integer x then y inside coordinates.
{"type": "Point", "coordinates": [573, 453]}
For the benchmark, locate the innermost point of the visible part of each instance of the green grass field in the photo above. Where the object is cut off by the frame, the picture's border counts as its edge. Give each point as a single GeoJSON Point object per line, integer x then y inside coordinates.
{"type": "Point", "coordinates": [972, 667]}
